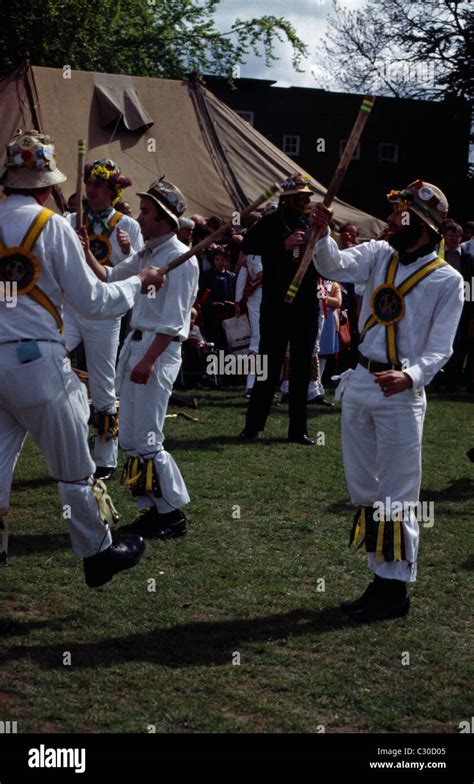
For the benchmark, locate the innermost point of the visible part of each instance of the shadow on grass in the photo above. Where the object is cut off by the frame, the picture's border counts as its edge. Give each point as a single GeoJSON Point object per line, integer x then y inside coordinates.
{"type": "Point", "coordinates": [206, 643]}
{"type": "Point", "coordinates": [457, 490]}
{"type": "Point", "coordinates": [31, 484]}
{"type": "Point", "coordinates": [215, 442]}
{"type": "Point", "coordinates": [26, 544]}
{"type": "Point", "coordinates": [468, 564]}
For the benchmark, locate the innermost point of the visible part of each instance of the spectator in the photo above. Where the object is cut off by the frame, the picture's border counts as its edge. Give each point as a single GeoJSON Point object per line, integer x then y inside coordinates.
{"type": "Point", "coordinates": [218, 297]}
{"type": "Point", "coordinates": [329, 343]}
{"type": "Point", "coordinates": [186, 228]}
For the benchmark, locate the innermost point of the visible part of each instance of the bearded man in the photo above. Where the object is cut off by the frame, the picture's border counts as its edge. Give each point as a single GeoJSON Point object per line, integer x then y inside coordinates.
{"type": "Point", "coordinates": [410, 310]}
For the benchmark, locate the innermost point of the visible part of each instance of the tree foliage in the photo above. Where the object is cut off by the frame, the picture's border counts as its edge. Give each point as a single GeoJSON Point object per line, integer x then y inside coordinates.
{"type": "Point", "coordinates": [162, 38]}
{"type": "Point", "coordinates": [405, 48]}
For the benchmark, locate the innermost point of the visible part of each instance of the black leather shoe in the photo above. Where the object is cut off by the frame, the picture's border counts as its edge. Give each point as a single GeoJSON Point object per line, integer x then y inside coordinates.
{"type": "Point", "coordinates": [356, 604]}
{"type": "Point", "coordinates": [104, 472]}
{"type": "Point", "coordinates": [152, 525]}
{"type": "Point", "coordinates": [320, 400]}
{"type": "Point", "coordinates": [382, 609]}
{"type": "Point", "coordinates": [470, 455]}
{"type": "Point", "coordinates": [382, 599]}
{"type": "Point", "coordinates": [248, 435]}
{"type": "Point", "coordinates": [99, 569]}
{"type": "Point", "coordinates": [304, 439]}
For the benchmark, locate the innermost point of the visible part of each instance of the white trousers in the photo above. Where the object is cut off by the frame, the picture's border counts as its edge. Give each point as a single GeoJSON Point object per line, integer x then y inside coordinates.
{"type": "Point", "coordinates": [142, 416]}
{"type": "Point", "coordinates": [253, 311]}
{"type": "Point", "coordinates": [46, 399]}
{"type": "Point", "coordinates": [381, 443]}
{"type": "Point", "coordinates": [101, 340]}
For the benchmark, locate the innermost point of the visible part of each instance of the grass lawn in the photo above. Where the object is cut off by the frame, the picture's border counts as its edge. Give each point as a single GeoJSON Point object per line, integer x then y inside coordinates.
{"type": "Point", "coordinates": [243, 588]}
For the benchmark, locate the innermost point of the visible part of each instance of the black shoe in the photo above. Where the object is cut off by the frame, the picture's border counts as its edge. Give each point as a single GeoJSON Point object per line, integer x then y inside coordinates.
{"type": "Point", "coordinates": [152, 525]}
{"type": "Point", "coordinates": [104, 472]}
{"type": "Point", "coordinates": [320, 400]}
{"type": "Point", "coordinates": [100, 568]}
{"type": "Point", "coordinates": [381, 610]}
{"type": "Point", "coordinates": [284, 398]}
{"type": "Point", "coordinates": [304, 439]}
{"type": "Point", "coordinates": [248, 435]}
{"type": "Point", "coordinates": [382, 599]}
{"type": "Point", "coordinates": [356, 604]}
{"type": "Point", "coordinates": [470, 455]}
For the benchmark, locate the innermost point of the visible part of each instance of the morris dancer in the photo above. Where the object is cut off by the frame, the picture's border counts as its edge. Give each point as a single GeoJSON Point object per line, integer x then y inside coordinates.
{"type": "Point", "coordinates": [411, 306]}
{"type": "Point", "coordinates": [113, 236]}
{"type": "Point", "coordinates": [41, 256]}
{"type": "Point", "coordinates": [149, 364]}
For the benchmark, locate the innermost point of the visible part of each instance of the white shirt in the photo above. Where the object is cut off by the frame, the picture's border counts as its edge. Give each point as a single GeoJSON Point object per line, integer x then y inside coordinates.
{"type": "Point", "coordinates": [168, 310]}
{"type": "Point", "coordinates": [468, 246]}
{"type": "Point", "coordinates": [130, 225]}
{"type": "Point", "coordinates": [64, 276]}
{"type": "Point", "coordinates": [432, 309]}
{"type": "Point", "coordinates": [252, 267]}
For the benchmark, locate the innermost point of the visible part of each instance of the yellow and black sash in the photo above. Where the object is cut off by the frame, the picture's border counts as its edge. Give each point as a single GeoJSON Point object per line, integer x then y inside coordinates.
{"type": "Point", "coordinates": [100, 245]}
{"type": "Point", "coordinates": [20, 267]}
{"type": "Point", "coordinates": [388, 302]}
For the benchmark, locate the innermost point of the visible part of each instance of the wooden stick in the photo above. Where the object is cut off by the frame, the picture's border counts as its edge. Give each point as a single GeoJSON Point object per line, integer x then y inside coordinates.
{"type": "Point", "coordinates": [81, 156]}
{"type": "Point", "coordinates": [219, 232]}
{"type": "Point", "coordinates": [334, 186]}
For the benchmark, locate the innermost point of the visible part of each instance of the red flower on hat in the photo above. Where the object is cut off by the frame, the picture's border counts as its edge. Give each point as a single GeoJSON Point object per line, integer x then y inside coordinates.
{"type": "Point", "coordinates": [418, 184]}
{"type": "Point", "coordinates": [27, 155]}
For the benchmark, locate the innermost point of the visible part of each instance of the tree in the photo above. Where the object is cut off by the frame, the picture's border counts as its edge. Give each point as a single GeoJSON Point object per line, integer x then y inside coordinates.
{"type": "Point", "coordinates": [162, 38]}
{"type": "Point", "coordinates": [405, 48]}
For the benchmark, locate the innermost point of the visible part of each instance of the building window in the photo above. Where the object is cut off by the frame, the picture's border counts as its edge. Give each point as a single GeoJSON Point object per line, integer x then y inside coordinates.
{"type": "Point", "coordinates": [342, 145]}
{"type": "Point", "coordinates": [248, 116]}
{"type": "Point", "coordinates": [388, 153]}
{"type": "Point", "coordinates": [291, 145]}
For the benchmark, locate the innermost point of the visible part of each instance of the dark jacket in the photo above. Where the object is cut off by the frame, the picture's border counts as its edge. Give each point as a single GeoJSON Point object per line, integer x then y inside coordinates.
{"type": "Point", "coordinates": [267, 239]}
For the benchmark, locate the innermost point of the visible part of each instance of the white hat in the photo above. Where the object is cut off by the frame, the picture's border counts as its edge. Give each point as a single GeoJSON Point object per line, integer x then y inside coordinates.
{"type": "Point", "coordinates": [186, 223]}
{"type": "Point", "coordinates": [31, 162]}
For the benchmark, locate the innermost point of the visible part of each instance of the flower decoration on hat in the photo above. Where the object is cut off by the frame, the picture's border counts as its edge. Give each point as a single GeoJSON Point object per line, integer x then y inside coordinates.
{"type": "Point", "coordinates": [107, 171]}
{"type": "Point", "coordinates": [296, 183]}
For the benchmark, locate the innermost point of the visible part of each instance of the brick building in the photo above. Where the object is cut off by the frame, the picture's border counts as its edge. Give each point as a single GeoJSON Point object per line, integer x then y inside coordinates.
{"type": "Point", "coordinates": [404, 139]}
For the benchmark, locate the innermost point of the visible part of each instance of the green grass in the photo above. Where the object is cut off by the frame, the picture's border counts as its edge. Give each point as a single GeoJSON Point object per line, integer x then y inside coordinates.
{"type": "Point", "coordinates": [246, 586]}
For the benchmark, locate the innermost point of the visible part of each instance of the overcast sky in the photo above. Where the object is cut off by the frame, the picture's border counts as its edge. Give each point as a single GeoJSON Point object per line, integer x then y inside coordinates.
{"type": "Point", "coordinates": [307, 16]}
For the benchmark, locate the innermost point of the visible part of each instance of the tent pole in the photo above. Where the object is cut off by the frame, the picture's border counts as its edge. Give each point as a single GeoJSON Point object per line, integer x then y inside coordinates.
{"type": "Point", "coordinates": [214, 144]}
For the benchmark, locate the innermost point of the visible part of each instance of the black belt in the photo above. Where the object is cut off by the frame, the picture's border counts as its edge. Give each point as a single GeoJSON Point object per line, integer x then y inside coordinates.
{"type": "Point", "coordinates": [28, 340]}
{"type": "Point", "coordinates": [376, 367]}
{"type": "Point", "coordinates": [137, 334]}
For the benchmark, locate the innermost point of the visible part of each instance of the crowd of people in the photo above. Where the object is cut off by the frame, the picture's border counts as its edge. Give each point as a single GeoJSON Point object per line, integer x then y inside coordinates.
{"type": "Point", "coordinates": [383, 314]}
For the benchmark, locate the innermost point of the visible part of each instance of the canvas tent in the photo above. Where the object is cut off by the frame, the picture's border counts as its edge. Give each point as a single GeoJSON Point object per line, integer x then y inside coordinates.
{"type": "Point", "coordinates": [154, 127]}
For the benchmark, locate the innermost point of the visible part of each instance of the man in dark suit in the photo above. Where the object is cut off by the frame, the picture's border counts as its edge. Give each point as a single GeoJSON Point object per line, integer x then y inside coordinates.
{"type": "Point", "coordinates": [280, 238]}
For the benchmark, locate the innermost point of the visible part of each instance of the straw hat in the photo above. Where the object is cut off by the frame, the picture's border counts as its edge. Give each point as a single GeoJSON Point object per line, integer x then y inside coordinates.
{"type": "Point", "coordinates": [31, 162]}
